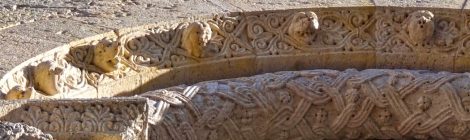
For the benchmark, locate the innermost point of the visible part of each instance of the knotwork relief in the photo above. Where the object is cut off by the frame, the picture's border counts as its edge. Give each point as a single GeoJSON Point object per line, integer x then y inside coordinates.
{"type": "Point", "coordinates": [316, 104]}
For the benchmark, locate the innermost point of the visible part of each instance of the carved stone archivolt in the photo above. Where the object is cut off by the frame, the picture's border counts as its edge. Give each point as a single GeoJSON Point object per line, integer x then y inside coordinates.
{"type": "Point", "coordinates": [73, 70]}
{"type": "Point", "coordinates": [316, 104]}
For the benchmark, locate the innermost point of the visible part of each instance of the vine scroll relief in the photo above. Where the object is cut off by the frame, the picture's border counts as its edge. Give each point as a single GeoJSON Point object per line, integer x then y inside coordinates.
{"type": "Point", "coordinates": [71, 70]}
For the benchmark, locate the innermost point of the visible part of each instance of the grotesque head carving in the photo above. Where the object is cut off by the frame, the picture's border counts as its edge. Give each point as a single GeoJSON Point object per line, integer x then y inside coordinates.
{"type": "Point", "coordinates": [19, 92]}
{"type": "Point", "coordinates": [47, 76]}
{"type": "Point", "coordinates": [106, 56]}
{"type": "Point", "coordinates": [420, 26]}
{"type": "Point", "coordinates": [303, 26]}
{"type": "Point", "coordinates": [195, 38]}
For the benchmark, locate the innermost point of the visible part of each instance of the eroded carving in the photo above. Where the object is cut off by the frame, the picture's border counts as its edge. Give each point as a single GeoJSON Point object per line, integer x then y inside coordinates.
{"type": "Point", "coordinates": [19, 92]}
{"type": "Point", "coordinates": [316, 104]}
{"type": "Point", "coordinates": [303, 26]}
{"type": "Point", "coordinates": [54, 77]}
{"type": "Point", "coordinates": [104, 57]}
{"type": "Point", "coordinates": [418, 31]}
{"type": "Point", "coordinates": [125, 117]}
{"type": "Point", "coordinates": [107, 56]}
{"type": "Point", "coordinates": [47, 78]}
{"type": "Point", "coordinates": [18, 131]}
{"type": "Point", "coordinates": [420, 27]}
{"type": "Point", "coordinates": [195, 37]}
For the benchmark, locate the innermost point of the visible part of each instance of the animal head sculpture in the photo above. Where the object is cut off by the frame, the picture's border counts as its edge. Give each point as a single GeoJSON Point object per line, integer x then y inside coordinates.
{"type": "Point", "coordinates": [195, 38]}
{"type": "Point", "coordinates": [47, 77]}
{"type": "Point", "coordinates": [303, 26]}
{"type": "Point", "coordinates": [420, 26]}
{"type": "Point", "coordinates": [19, 92]}
{"type": "Point", "coordinates": [106, 56]}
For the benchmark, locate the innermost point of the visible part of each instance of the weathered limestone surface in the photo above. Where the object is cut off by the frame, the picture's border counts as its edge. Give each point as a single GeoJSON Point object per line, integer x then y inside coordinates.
{"type": "Point", "coordinates": [199, 40]}
{"type": "Point", "coordinates": [238, 44]}
{"type": "Point", "coordinates": [18, 131]}
{"type": "Point", "coordinates": [310, 104]}
{"type": "Point", "coordinates": [316, 104]}
{"type": "Point", "coordinates": [31, 27]}
{"type": "Point", "coordinates": [100, 119]}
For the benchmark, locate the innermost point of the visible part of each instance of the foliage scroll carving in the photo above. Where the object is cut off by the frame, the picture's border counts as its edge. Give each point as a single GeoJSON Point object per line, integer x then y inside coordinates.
{"type": "Point", "coordinates": [128, 117]}
{"type": "Point", "coordinates": [229, 36]}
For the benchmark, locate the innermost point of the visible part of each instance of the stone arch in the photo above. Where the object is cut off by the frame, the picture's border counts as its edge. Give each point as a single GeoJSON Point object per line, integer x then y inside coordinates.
{"type": "Point", "coordinates": [132, 61]}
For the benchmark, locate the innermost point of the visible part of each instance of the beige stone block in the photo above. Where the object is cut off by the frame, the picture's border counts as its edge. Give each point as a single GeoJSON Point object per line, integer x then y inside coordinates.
{"type": "Point", "coordinates": [462, 64]}
{"type": "Point", "coordinates": [345, 60]}
{"type": "Point", "coordinates": [88, 92]}
{"type": "Point", "coordinates": [273, 63]}
{"type": "Point", "coordinates": [124, 86]}
{"type": "Point", "coordinates": [341, 61]}
{"type": "Point", "coordinates": [418, 61]}
{"type": "Point", "coordinates": [189, 74]}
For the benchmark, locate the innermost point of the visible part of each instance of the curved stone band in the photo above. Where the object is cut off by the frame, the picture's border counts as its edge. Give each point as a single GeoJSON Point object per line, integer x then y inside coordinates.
{"type": "Point", "coordinates": [234, 44]}
{"type": "Point", "coordinates": [317, 104]}
{"type": "Point", "coordinates": [382, 102]}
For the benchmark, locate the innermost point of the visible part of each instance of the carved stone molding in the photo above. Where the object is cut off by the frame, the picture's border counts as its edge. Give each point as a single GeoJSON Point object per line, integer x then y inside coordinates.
{"type": "Point", "coordinates": [18, 131]}
{"type": "Point", "coordinates": [380, 37]}
{"type": "Point", "coordinates": [115, 118]}
{"type": "Point", "coordinates": [382, 103]}
{"type": "Point", "coordinates": [316, 104]}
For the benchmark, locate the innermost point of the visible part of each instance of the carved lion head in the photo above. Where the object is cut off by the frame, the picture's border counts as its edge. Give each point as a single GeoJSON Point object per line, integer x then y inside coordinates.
{"type": "Point", "coordinates": [19, 92]}
{"type": "Point", "coordinates": [106, 56]}
{"type": "Point", "coordinates": [47, 76]}
{"type": "Point", "coordinates": [303, 26]}
{"type": "Point", "coordinates": [195, 37]}
{"type": "Point", "coordinates": [420, 26]}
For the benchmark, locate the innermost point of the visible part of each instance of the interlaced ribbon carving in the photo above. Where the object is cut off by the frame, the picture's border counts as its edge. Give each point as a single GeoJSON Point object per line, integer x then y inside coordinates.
{"type": "Point", "coordinates": [368, 104]}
